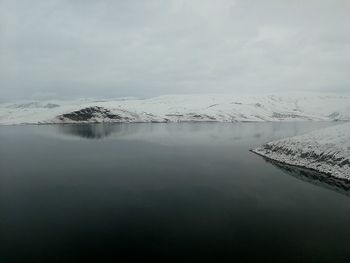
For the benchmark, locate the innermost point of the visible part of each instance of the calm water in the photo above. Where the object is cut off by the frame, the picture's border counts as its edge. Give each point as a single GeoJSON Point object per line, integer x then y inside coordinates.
{"type": "Point", "coordinates": [99, 193]}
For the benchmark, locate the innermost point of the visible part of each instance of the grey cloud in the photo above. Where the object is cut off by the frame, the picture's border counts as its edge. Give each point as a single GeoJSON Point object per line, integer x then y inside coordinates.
{"type": "Point", "coordinates": [66, 48]}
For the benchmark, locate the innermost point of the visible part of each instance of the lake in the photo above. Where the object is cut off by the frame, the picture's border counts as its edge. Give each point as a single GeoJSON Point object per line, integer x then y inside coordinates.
{"type": "Point", "coordinates": [170, 192]}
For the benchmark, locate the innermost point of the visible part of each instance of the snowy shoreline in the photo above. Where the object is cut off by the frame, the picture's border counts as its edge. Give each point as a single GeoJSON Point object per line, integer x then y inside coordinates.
{"type": "Point", "coordinates": [326, 151]}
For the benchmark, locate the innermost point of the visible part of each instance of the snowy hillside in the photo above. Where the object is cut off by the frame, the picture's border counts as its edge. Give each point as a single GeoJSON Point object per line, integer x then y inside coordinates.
{"type": "Point", "coordinates": [326, 151]}
{"type": "Point", "coordinates": [181, 108]}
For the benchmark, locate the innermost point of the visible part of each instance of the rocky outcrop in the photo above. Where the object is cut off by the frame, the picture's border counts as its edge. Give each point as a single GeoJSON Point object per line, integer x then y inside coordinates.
{"type": "Point", "coordinates": [92, 114]}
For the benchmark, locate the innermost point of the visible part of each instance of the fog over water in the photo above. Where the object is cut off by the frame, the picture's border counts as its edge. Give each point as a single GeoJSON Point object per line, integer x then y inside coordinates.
{"type": "Point", "coordinates": [67, 49]}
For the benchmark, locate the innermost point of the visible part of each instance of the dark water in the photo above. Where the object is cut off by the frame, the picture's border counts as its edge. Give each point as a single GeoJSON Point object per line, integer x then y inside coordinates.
{"type": "Point", "coordinates": [170, 192]}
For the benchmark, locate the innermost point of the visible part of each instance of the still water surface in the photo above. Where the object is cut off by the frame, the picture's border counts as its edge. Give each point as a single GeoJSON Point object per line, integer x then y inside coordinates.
{"type": "Point", "coordinates": [180, 192]}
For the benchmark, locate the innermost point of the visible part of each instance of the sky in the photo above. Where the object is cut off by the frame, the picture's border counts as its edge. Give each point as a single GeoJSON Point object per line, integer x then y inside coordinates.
{"type": "Point", "coordinates": [60, 49]}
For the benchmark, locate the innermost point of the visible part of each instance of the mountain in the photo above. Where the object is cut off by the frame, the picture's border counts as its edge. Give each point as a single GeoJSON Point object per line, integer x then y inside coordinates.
{"type": "Point", "coordinates": [181, 108]}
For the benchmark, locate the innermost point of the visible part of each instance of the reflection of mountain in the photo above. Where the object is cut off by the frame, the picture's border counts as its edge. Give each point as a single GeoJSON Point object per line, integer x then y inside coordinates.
{"type": "Point", "coordinates": [92, 131]}
{"type": "Point", "coordinates": [316, 178]}
{"type": "Point", "coordinates": [186, 133]}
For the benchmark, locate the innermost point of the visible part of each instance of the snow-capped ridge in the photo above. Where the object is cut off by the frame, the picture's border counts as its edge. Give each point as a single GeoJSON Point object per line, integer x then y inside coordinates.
{"type": "Point", "coordinates": [184, 108]}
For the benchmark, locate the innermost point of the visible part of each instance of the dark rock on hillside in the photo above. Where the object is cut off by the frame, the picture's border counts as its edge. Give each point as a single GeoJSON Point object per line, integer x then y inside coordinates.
{"type": "Point", "coordinates": [91, 114]}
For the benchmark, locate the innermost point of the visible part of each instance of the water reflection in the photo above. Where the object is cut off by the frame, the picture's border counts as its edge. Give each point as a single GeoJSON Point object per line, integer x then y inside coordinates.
{"type": "Point", "coordinates": [184, 132]}
{"type": "Point", "coordinates": [315, 178]}
{"type": "Point", "coordinates": [91, 131]}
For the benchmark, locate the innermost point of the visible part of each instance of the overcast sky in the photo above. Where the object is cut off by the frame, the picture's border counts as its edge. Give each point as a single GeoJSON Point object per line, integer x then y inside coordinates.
{"type": "Point", "coordinates": [109, 48]}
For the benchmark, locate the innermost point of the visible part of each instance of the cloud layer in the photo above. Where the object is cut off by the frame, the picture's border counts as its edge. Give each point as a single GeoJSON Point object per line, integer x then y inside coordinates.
{"type": "Point", "coordinates": [108, 48]}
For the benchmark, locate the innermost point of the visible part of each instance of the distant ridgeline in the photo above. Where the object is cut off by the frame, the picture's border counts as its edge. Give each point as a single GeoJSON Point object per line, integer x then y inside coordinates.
{"type": "Point", "coordinates": [181, 108]}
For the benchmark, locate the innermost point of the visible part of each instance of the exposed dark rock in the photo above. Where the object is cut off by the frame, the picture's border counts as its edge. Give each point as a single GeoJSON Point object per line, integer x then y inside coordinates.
{"type": "Point", "coordinates": [91, 113]}
{"type": "Point", "coordinates": [34, 105]}
{"type": "Point", "coordinates": [51, 105]}
{"type": "Point", "coordinates": [288, 115]}
{"type": "Point", "coordinates": [212, 106]}
{"type": "Point", "coordinates": [174, 115]}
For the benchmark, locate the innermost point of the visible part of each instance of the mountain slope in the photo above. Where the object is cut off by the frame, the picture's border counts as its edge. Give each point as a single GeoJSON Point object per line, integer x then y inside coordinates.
{"type": "Point", "coordinates": [181, 108]}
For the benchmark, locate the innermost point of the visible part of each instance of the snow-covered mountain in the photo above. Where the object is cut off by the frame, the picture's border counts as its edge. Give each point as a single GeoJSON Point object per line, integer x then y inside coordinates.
{"type": "Point", "coordinates": [326, 151]}
{"type": "Point", "coordinates": [181, 108]}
